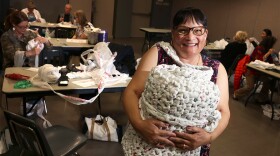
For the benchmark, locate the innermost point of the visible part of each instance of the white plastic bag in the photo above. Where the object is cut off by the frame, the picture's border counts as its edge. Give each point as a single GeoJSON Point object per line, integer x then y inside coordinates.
{"type": "Point", "coordinates": [40, 108]}
{"type": "Point", "coordinates": [100, 128]}
{"type": "Point", "coordinates": [3, 145]}
{"type": "Point", "coordinates": [5, 140]}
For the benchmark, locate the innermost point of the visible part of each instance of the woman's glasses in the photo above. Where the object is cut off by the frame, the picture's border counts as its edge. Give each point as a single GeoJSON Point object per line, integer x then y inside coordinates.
{"type": "Point", "coordinates": [22, 27]}
{"type": "Point", "coordinates": [198, 31]}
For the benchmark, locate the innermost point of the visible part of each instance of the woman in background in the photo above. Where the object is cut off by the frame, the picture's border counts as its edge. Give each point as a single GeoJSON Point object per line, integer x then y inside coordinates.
{"type": "Point", "coordinates": [32, 13]}
{"type": "Point", "coordinates": [259, 53]}
{"type": "Point", "coordinates": [233, 49]}
{"type": "Point", "coordinates": [84, 27]}
{"type": "Point", "coordinates": [266, 32]}
{"type": "Point", "coordinates": [15, 39]}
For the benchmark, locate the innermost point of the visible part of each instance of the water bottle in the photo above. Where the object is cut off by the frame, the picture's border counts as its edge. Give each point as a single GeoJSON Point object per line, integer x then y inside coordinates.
{"type": "Point", "coordinates": [102, 36]}
{"type": "Point", "coordinates": [275, 58]}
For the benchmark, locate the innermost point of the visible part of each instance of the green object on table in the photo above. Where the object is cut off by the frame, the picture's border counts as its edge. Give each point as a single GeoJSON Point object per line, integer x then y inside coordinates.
{"type": "Point", "coordinates": [22, 84]}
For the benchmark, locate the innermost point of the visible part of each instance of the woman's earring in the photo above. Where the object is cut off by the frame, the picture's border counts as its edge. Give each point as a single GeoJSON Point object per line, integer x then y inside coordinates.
{"type": "Point", "coordinates": [14, 28]}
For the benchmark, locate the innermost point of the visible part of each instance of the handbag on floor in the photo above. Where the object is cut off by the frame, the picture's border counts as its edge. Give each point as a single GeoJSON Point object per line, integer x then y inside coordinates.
{"type": "Point", "coordinates": [102, 128]}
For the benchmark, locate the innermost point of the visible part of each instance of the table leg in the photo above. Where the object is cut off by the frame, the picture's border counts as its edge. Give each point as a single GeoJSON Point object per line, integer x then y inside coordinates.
{"type": "Point", "coordinates": [24, 106]}
{"type": "Point", "coordinates": [253, 92]}
{"type": "Point", "coordinates": [271, 103]}
{"type": "Point", "coordinates": [271, 97]}
{"type": "Point", "coordinates": [146, 44]}
{"type": "Point", "coordinates": [99, 104]}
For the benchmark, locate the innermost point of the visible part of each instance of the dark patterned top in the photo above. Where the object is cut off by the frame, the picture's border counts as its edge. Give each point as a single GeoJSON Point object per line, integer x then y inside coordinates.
{"type": "Point", "coordinates": [164, 58]}
{"type": "Point", "coordinates": [11, 43]}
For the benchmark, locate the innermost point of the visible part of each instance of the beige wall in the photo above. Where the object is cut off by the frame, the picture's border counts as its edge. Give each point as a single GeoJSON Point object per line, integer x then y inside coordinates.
{"type": "Point", "coordinates": [102, 15]}
{"type": "Point", "coordinates": [141, 10]}
{"type": "Point", "coordinates": [226, 17]}
{"type": "Point", "coordinates": [84, 5]}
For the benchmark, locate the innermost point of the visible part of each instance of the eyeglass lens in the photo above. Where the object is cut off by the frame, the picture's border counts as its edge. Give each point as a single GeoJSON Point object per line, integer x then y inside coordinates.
{"type": "Point", "coordinates": [196, 30]}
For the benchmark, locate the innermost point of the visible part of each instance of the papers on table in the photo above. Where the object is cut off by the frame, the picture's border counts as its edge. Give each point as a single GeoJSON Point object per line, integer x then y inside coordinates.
{"type": "Point", "coordinates": [84, 83]}
{"type": "Point", "coordinates": [265, 65]}
{"type": "Point", "coordinates": [65, 25]}
{"type": "Point", "coordinates": [76, 40]}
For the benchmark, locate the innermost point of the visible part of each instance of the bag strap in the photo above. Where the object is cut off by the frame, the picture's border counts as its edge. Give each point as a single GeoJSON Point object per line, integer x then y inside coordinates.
{"type": "Point", "coordinates": [91, 129]}
{"type": "Point", "coordinates": [107, 129]}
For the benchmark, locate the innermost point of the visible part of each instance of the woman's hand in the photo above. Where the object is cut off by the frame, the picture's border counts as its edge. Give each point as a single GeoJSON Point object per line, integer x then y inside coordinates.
{"type": "Point", "coordinates": [61, 19]}
{"type": "Point", "coordinates": [41, 39]}
{"type": "Point", "coordinates": [191, 139]}
{"type": "Point", "coordinates": [153, 131]}
{"type": "Point", "coordinates": [33, 52]}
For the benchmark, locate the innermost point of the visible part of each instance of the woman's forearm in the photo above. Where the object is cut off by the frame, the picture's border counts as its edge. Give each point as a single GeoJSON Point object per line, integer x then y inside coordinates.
{"type": "Point", "coordinates": [222, 82]}
{"type": "Point", "coordinates": [221, 126]}
{"type": "Point", "coordinates": [130, 103]}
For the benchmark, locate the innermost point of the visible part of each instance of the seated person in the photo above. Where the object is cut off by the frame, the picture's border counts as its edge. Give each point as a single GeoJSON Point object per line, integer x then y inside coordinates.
{"type": "Point", "coordinates": [14, 42]}
{"type": "Point", "coordinates": [66, 16]}
{"type": "Point", "coordinates": [14, 45]}
{"type": "Point", "coordinates": [84, 27]}
{"type": "Point", "coordinates": [6, 22]}
{"type": "Point", "coordinates": [32, 14]}
{"type": "Point", "coordinates": [265, 33]}
{"type": "Point", "coordinates": [258, 54]}
{"type": "Point", "coordinates": [273, 54]}
{"type": "Point", "coordinates": [233, 49]}
{"type": "Point", "coordinates": [268, 82]}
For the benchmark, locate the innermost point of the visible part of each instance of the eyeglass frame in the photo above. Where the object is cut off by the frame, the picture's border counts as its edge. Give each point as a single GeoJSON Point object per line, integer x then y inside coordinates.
{"type": "Point", "coordinates": [189, 29]}
{"type": "Point", "coordinates": [22, 27]}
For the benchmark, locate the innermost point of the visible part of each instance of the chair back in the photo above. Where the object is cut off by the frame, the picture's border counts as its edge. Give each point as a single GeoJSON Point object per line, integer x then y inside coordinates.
{"type": "Point", "coordinates": [125, 60]}
{"type": "Point", "coordinates": [27, 135]}
{"type": "Point", "coordinates": [231, 69]}
{"type": "Point", "coordinates": [61, 33]}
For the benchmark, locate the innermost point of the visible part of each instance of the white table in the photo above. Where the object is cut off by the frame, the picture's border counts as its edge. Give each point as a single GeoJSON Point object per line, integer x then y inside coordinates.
{"type": "Point", "coordinates": [62, 47]}
{"type": "Point", "coordinates": [61, 30]}
{"type": "Point", "coordinates": [266, 72]}
{"type": "Point", "coordinates": [10, 92]}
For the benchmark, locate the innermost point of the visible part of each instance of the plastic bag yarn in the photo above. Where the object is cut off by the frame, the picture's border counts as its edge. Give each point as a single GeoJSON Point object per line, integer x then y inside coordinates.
{"type": "Point", "coordinates": [100, 128]}
{"type": "Point", "coordinates": [100, 54]}
{"type": "Point", "coordinates": [49, 73]}
{"type": "Point", "coordinates": [32, 44]}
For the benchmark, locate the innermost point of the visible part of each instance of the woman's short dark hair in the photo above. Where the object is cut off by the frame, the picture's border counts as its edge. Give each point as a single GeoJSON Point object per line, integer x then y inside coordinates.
{"type": "Point", "coordinates": [189, 13]}
{"type": "Point", "coordinates": [268, 32]}
{"type": "Point", "coordinates": [268, 42]}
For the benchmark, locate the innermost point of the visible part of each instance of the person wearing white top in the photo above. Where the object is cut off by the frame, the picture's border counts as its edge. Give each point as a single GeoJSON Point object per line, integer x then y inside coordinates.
{"type": "Point", "coordinates": [32, 13]}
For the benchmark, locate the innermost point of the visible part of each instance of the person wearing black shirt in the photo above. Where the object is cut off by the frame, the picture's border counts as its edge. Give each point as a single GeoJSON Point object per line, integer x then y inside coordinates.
{"type": "Point", "coordinates": [233, 49]}
{"type": "Point", "coordinates": [66, 16]}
